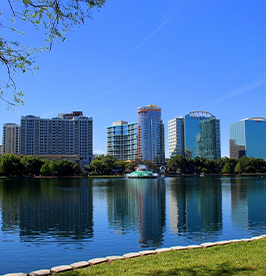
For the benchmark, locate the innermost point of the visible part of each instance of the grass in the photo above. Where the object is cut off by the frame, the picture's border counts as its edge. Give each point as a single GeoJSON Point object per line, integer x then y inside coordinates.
{"type": "Point", "coordinates": [243, 258]}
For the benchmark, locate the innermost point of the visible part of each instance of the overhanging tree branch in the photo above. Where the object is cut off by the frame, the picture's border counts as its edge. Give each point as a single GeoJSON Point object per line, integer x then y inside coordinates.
{"type": "Point", "coordinates": [56, 16]}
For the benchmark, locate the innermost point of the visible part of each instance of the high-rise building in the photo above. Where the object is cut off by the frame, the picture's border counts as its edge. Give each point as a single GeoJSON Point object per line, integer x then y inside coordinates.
{"type": "Point", "coordinates": [176, 136]}
{"type": "Point", "coordinates": [11, 138]}
{"type": "Point", "coordinates": [122, 140]}
{"type": "Point", "coordinates": [67, 134]}
{"type": "Point", "coordinates": [247, 138]}
{"type": "Point", "coordinates": [151, 135]}
{"type": "Point", "coordinates": [195, 134]}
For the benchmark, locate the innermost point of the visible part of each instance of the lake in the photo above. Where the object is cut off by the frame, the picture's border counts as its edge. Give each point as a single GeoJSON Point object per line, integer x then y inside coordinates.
{"type": "Point", "coordinates": [51, 222]}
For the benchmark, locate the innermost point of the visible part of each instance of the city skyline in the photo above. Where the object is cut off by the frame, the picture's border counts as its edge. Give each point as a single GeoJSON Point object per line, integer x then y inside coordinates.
{"type": "Point", "coordinates": [126, 123]}
{"type": "Point", "coordinates": [122, 136]}
{"type": "Point", "coordinates": [180, 55]}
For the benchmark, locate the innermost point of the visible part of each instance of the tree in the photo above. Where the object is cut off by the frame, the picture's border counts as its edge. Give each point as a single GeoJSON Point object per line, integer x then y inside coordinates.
{"type": "Point", "coordinates": [220, 163]}
{"type": "Point", "coordinates": [66, 168]}
{"type": "Point", "coordinates": [150, 165]}
{"type": "Point", "coordinates": [10, 165]}
{"type": "Point", "coordinates": [63, 168]}
{"type": "Point", "coordinates": [130, 166]}
{"type": "Point", "coordinates": [76, 168]}
{"type": "Point", "coordinates": [177, 163]}
{"type": "Point", "coordinates": [55, 17]}
{"type": "Point", "coordinates": [102, 164]}
{"type": "Point", "coordinates": [238, 168]}
{"type": "Point", "coordinates": [229, 166]}
{"type": "Point", "coordinates": [260, 165]}
{"type": "Point", "coordinates": [200, 164]}
{"type": "Point", "coordinates": [45, 169]}
{"type": "Point", "coordinates": [53, 167]}
{"type": "Point", "coordinates": [119, 166]}
{"type": "Point", "coordinates": [244, 162]}
{"type": "Point", "coordinates": [32, 164]}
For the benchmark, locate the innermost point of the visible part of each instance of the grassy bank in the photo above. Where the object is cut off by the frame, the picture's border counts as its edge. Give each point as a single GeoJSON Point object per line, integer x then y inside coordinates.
{"type": "Point", "coordinates": [243, 258]}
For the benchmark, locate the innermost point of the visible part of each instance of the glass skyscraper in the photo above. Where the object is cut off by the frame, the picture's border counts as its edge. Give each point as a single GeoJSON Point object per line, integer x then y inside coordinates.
{"type": "Point", "coordinates": [122, 140]}
{"type": "Point", "coordinates": [248, 138]}
{"type": "Point", "coordinates": [195, 134]}
{"type": "Point", "coordinates": [151, 135]}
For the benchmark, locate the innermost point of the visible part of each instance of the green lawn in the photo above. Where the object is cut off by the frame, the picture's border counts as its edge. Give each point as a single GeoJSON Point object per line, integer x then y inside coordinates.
{"type": "Point", "coordinates": [243, 258]}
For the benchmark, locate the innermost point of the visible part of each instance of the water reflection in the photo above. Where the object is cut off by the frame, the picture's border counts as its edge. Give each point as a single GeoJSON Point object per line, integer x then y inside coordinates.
{"type": "Point", "coordinates": [138, 204]}
{"type": "Point", "coordinates": [96, 217]}
{"type": "Point", "coordinates": [195, 206]}
{"type": "Point", "coordinates": [45, 209]}
{"type": "Point", "coordinates": [239, 203]}
{"type": "Point", "coordinates": [248, 197]}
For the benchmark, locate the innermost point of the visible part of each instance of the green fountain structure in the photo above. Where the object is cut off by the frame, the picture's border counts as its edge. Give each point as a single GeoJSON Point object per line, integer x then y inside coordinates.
{"type": "Point", "coordinates": [142, 172]}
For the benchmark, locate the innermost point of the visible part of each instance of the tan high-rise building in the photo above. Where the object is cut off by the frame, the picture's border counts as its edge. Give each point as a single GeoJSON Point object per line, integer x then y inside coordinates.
{"type": "Point", "coordinates": [67, 134]}
{"type": "Point", "coordinates": [11, 138]}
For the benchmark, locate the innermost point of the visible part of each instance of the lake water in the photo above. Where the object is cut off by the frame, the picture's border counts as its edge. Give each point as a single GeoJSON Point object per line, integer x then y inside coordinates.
{"type": "Point", "coordinates": [51, 222]}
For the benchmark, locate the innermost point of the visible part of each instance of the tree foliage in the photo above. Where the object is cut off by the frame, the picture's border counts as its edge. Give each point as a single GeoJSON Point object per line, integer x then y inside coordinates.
{"type": "Point", "coordinates": [32, 165]}
{"type": "Point", "coordinates": [10, 165]}
{"type": "Point", "coordinates": [67, 168]}
{"type": "Point", "coordinates": [13, 165]}
{"type": "Point", "coordinates": [177, 163]}
{"type": "Point", "coordinates": [54, 17]}
{"type": "Point", "coordinates": [150, 165]}
{"type": "Point", "coordinates": [238, 168]}
{"type": "Point", "coordinates": [224, 165]}
{"type": "Point", "coordinates": [45, 169]}
{"type": "Point", "coordinates": [105, 164]}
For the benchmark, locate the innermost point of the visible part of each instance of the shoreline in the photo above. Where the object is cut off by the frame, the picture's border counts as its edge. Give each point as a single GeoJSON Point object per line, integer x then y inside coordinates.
{"type": "Point", "coordinates": [123, 176]}
{"type": "Point", "coordinates": [95, 261]}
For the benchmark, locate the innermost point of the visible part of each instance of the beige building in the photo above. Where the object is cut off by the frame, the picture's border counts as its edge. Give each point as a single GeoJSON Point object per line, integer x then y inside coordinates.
{"type": "Point", "coordinates": [67, 134]}
{"type": "Point", "coordinates": [11, 138]}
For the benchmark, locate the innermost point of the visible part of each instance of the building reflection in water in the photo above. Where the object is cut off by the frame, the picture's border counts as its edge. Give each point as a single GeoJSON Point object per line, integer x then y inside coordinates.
{"type": "Point", "coordinates": [139, 205]}
{"type": "Point", "coordinates": [239, 203]}
{"type": "Point", "coordinates": [48, 209]}
{"type": "Point", "coordinates": [257, 203]}
{"type": "Point", "coordinates": [62, 210]}
{"type": "Point", "coordinates": [248, 202]}
{"type": "Point", "coordinates": [122, 207]}
{"type": "Point", "coordinates": [195, 206]}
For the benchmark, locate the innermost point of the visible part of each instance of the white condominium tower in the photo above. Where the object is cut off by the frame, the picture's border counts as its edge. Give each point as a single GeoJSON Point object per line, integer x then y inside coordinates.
{"type": "Point", "coordinates": [67, 134]}
{"type": "Point", "coordinates": [176, 136]}
{"type": "Point", "coordinates": [11, 134]}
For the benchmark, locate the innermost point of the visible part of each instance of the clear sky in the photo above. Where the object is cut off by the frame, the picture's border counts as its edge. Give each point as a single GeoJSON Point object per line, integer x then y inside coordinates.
{"type": "Point", "coordinates": [179, 55]}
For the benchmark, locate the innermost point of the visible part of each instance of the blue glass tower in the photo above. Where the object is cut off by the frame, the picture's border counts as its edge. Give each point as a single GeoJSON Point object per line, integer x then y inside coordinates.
{"type": "Point", "coordinates": [247, 138]}
{"type": "Point", "coordinates": [202, 135]}
{"type": "Point", "coordinates": [151, 135]}
{"type": "Point", "coordinates": [196, 134]}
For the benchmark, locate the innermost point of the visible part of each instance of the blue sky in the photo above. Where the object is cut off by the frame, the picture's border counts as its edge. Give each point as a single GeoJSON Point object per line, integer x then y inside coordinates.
{"type": "Point", "coordinates": [180, 55]}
